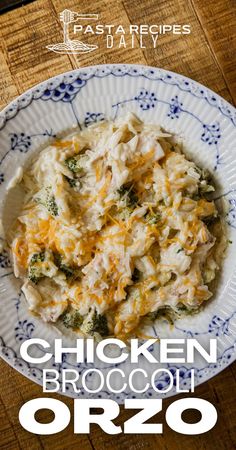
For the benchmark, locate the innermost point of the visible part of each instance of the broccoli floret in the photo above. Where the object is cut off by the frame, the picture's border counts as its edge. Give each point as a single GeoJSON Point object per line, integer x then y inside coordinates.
{"type": "Point", "coordinates": [165, 312]}
{"type": "Point", "coordinates": [187, 311]}
{"type": "Point", "coordinates": [122, 191]}
{"type": "Point", "coordinates": [205, 188]}
{"type": "Point", "coordinates": [51, 205]}
{"type": "Point", "coordinates": [133, 198]}
{"type": "Point", "coordinates": [152, 218]}
{"type": "Point", "coordinates": [34, 271]}
{"type": "Point", "coordinates": [34, 274]}
{"type": "Point", "coordinates": [72, 319]}
{"type": "Point", "coordinates": [136, 275]}
{"type": "Point", "coordinates": [38, 257]}
{"type": "Point", "coordinates": [205, 182]}
{"type": "Point", "coordinates": [205, 175]}
{"type": "Point", "coordinates": [210, 220]}
{"type": "Point", "coordinates": [72, 182]}
{"type": "Point", "coordinates": [95, 323]}
{"type": "Point", "coordinates": [67, 270]}
{"type": "Point", "coordinates": [128, 194]}
{"type": "Point", "coordinates": [73, 164]}
{"type": "Point", "coordinates": [48, 201]}
{"type": "Point", "coordinates": [170, 314]}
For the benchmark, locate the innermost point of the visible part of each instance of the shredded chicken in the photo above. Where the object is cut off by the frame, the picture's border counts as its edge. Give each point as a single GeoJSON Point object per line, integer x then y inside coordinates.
{"type": "Point", "coordinates": [116, 221]}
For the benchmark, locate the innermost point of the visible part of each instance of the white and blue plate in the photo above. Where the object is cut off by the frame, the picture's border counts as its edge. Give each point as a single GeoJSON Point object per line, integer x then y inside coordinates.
{"type": "Point", "coordinates": [84, 96]}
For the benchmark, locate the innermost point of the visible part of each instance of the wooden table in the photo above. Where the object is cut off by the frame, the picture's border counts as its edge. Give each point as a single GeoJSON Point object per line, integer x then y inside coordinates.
{"type": "Point", "coordinates": [206, 55]}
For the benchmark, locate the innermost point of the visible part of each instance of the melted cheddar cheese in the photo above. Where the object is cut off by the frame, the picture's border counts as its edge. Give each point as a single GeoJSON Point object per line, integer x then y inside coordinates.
{"type": "Point", "coordinates": [116, 220]}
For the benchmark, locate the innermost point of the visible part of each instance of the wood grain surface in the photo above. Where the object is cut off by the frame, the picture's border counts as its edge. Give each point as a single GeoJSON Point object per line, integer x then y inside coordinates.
{"type": "Point", "coordinates": [207, 55]}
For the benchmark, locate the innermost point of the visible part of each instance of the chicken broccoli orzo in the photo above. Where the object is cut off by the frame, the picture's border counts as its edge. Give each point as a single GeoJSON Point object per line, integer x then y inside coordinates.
{"type": "Point", "coordinates": [117, 228]}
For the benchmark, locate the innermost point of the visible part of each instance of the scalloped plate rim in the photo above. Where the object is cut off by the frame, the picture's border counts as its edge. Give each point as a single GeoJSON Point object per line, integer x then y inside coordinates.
{"type": "Point", "coordinates": [60, 76]}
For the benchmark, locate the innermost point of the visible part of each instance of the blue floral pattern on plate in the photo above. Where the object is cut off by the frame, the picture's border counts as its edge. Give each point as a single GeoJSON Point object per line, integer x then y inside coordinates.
{"type": "Point", "coordinates": [147, 94]}
{"type": "Point", "coordinates": [175, 108]}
